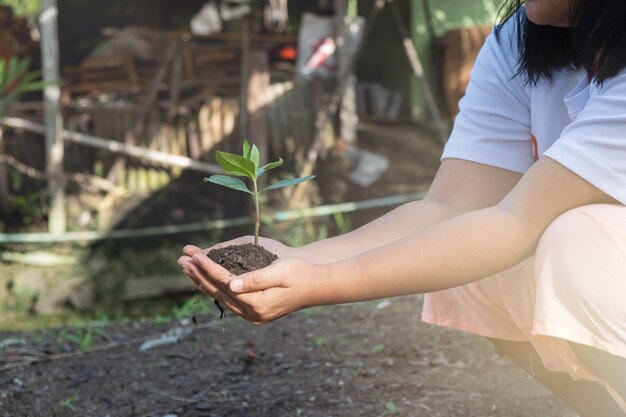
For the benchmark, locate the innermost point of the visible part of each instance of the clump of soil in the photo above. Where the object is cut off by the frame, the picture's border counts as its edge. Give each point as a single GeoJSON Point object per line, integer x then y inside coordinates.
{"type": "Point", "coordinates": [239, 259]}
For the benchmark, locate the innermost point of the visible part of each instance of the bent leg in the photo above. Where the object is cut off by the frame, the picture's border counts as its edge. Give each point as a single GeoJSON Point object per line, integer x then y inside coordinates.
{"type": "Point", "coordinates": [588, 399]}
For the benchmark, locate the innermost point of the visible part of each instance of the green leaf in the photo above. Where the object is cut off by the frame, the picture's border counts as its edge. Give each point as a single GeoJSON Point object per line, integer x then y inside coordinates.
{"type": "Point", "coordinates": [288, 182]}
{"type": "Point", "coordinates": [273, 165]}
{"type": "Point", "coordinates": [391, 407]}
{"type": "Point", "coordinates": [255, 157]}
{"type": "Point", "coordinates": [246, 149]}
{"type": "Point", "coordinates": [228, 182]}
{"type": "Point", "coordinates": [236, 165]}
{"type": "Point", "coordinates": [252, 153]}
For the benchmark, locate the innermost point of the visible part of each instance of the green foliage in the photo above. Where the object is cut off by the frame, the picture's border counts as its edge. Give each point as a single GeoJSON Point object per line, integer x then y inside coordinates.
{"type": "Point", "coordinates": [29, 207]}
{"type": "Point", "coordinates": [247, 165]}
{"type": "Point", "coordinates": [377, 348]}
{"type": "Point", "coordinates": [303, 231]}
{"type": "Point", "coordinates": [83, 338]}
{"type": "Point", "coordinates": [195, 305]}
{"type": "Point", "coordinates": [15, 80]}
{"type": "Point", "coordinates": [391, 407]}
{"type": "Point", "coordinates": [319, 341]}
{"type": "Point", "coordinates": [22, 7]}
{"type": "Point", "coordinates": [69, 401]}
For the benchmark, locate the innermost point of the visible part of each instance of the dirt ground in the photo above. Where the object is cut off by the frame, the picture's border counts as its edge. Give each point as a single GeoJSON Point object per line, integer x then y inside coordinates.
{"type": "Point", "coordinates": [365, 359]}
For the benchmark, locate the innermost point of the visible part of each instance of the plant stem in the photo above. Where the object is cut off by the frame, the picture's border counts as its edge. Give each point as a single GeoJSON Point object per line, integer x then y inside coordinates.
{"type": "Point", "coordinates": [257, 223]}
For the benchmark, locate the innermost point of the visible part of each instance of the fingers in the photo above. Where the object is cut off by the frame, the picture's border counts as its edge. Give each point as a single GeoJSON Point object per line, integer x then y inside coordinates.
{"type": "Point", "coordinates": [218, 275]}
{"type": "Point", "coordinates": [259, 280]}
{"type": "Point", "coordinates": [183, 260]}
{"type": "Point", "coordinates": [191, 250]}
{"type": "Point", "coordinates": [206, 286]}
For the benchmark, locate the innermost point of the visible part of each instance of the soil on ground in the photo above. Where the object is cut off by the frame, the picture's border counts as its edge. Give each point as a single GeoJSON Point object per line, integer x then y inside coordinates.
{"type": "Point", "coordinates": [365, 359]}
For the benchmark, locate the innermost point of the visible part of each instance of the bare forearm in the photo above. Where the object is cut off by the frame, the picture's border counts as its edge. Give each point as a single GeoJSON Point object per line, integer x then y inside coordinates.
{"type": "Point", "coordinates": [464, 249]}
{"type": "Point", "coordinates": [397, 224]}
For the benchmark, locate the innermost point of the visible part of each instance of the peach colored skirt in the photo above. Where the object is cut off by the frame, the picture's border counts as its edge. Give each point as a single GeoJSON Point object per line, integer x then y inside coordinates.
{"type": "Point", "coordinates": [573, 289]}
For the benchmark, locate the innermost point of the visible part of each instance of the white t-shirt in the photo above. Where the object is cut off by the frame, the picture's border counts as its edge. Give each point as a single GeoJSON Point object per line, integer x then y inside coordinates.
{"type": "Point", "coordinates": [506, 123]}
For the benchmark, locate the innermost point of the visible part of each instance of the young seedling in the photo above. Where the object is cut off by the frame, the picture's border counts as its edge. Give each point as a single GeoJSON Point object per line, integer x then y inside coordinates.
{"type": "Point", "coordinates": [247, 165]}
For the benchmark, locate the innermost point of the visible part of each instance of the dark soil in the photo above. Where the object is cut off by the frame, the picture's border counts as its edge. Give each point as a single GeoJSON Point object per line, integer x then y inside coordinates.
{"type": "Point", "coordinates": [366, 359]}
{"type": "Point", "coordinates": [239, 259]}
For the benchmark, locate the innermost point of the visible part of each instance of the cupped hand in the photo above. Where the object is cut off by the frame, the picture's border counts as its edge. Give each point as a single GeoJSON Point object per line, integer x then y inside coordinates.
{"type": "Point", "coordinates": [287, 285]}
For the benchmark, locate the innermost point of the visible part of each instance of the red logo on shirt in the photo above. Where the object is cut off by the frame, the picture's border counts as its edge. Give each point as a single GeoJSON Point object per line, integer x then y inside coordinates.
{"type": "Point", "coordinates": [533, 140]}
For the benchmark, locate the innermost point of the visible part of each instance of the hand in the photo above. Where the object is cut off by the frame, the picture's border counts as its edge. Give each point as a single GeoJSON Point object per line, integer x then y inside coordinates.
{"type": "Point", "coordinates": [273, 246]}
{"type": "Point", "coordinates": [287, 285]}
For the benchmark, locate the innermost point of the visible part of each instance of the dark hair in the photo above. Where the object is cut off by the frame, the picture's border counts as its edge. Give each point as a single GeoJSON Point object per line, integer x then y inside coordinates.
{"type": "Point", "coordinates": [596, 42]}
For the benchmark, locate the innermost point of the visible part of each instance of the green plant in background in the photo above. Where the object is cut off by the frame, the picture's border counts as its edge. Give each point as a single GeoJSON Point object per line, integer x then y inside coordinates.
{"type": "Point", "coordinates": [15, 80]}
{"type": "Point", "coordinates": [69, 401]}
{"type": "Point", "coordinates": [194, 305]}
{"type": "Point", "coordinates": [247, 165]}
{"type": "Point", "coordinates": [83, 338]}
{"type": "Point", "coordinates": [22, 7]}
{"type": "Point", "coordinates": [29, 206]}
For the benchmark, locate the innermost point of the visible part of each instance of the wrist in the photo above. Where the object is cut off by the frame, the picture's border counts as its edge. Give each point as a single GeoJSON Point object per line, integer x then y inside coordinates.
{"type": "Point", "coordinates": [323, 289]}
{"type": "Point", "coordinates": [307, 253]}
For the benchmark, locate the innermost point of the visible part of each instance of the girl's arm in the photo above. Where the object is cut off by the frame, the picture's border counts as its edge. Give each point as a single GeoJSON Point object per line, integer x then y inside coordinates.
{"type": "Point", "coordinates": [459, 187]}
{"type": "Point", "coordinates": [460, 250]}
{"type": "Point", "coordinates": [468, 247]}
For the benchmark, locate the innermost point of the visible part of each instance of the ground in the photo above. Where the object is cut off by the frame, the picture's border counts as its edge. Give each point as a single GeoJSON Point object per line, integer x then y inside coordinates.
{"type": "Point", "coordinates": [366, 359]}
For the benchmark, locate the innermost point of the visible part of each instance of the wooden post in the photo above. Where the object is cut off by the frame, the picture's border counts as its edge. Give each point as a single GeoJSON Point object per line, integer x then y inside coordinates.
{"type": "Point", "coordinates": [348, 119]}
{"type": "Point", "coordinates": [258, 91]}
{"type": "Point", "coordinates": [418, 70]}
{"type": "Point", "coordinates": [52, 116]}
{"type": "Point", "coordinates": [243, 81]}
{"type": "Point", "coordinates": [5, 208]}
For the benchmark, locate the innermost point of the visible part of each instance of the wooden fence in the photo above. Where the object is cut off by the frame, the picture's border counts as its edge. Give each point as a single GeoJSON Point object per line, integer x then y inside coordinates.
{"type": "Point", "coordinates": [196, 135]}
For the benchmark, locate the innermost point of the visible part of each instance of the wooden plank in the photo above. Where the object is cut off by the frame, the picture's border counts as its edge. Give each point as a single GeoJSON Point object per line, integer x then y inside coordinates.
{"type": "Point", "coordinates": [131, 135]}
{"type": "Point", "coordinates": [193, 139]}
{"type": "Point", "coordinates": [216, 120]}
{"type": "Point", "coordinates": [177, 72]}
{"type": "Point", "coordinates": [257, 100]}
{"type": "Point", "coordinates": [117, 147]}
{"type": "Point", "coordinates": [205, 128]}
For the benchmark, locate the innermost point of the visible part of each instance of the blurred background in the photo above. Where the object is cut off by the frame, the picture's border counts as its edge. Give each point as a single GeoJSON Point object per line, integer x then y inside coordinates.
{"type": "Point", "coordinates": [112, 113]}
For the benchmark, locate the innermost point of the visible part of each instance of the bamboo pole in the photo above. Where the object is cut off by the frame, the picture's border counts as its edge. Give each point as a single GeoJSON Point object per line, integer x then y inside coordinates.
{"type": "Point", "coordinates": [244, 81]}
{"type": "Point", "coordinates": [52, 115]}
{"type": "Point", "coordinates": [280, 216]}
{"type": "Point", "coordinates": [119, 148]}
{"type": "Point", "coordinates": [5, 208]}
{"type": "Point", "coordinates": [418, 70]}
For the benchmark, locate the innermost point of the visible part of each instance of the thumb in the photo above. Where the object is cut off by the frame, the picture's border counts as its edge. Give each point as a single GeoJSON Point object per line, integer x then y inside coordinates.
{"type": "Point", "coordinates": [259, 280]}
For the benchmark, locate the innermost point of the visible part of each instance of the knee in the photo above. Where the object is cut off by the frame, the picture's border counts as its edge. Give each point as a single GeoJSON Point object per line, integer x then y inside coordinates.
{"type": "Point", "coordinates": [566, 235]}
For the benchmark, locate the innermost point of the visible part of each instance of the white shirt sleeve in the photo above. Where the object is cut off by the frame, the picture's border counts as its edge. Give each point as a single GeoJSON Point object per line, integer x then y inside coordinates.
{"type": "Point", "coordinates": [594, 145]}
{"type": "Point", "coordinates": [493, 126]}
